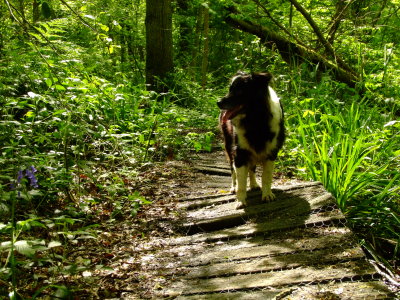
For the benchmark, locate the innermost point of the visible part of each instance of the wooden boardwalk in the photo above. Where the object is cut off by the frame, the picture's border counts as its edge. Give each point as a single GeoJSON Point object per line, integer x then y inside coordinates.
{"type": "Point", "coordinates": [296, 247]}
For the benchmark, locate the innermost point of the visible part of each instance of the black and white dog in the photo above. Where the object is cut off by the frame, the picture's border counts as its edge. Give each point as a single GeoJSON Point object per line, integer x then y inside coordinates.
{"type": "Point", "coordinates": [251, 121]}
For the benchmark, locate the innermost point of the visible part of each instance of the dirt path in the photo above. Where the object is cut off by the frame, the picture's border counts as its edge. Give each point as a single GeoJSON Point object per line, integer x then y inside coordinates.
{"type": "Point", "coordinates": [297, 247]}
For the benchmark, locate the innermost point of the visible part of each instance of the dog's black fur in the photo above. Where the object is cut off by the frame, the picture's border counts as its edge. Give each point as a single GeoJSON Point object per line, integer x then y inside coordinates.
{"type": "Point", "coordinates": [251, 121]}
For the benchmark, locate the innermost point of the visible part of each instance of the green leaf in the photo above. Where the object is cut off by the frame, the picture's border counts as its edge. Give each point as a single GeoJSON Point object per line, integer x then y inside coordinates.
{"type": "Point", "coordinates": [60, 87]}
{"type": "Point", "coordinates": [5, 245]}
{"type": "Point", "coordinates": [30, 114]}
{"type": "Point", "coordinates": [49, 82]}
{"type": "Point", "coordinates": [24, 248]}
{"type": "Point", "coordinates": [54, 244]}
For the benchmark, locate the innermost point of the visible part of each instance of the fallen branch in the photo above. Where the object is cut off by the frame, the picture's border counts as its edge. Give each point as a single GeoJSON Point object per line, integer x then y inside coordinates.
{"type": "Point", "coordinates": [292, 52]}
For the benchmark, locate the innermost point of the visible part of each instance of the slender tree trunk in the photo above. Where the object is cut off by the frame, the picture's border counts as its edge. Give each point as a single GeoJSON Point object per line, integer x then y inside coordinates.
{"type": "Point", "coordinates": [159, 60]}
{"type": "Point", "coordinates": [196, 48]}
{"type": "Point", "coordinates": [204, 63]}
{"type": "Point", "coordinates": [21, 10]}
{"type": "Point", "coordinates": [35, 11]}
{"type": "Point", "coordinates": [185, 30]}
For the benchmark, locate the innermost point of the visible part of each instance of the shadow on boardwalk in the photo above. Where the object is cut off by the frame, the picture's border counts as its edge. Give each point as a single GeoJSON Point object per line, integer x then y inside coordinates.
{"type": "Point", "coordinates": [296, 247]}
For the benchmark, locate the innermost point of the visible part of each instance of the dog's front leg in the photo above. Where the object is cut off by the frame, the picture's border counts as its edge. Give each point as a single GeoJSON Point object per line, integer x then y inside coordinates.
{"type": "Point", "coordinates": [268, 169]}
{"type": "Point", "coordinates": [241, 177]}
{"type": "Point", "coordinates": [252, 176]}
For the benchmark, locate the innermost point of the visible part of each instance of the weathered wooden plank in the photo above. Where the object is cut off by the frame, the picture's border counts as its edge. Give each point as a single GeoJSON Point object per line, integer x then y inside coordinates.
{"type": "Point", "coordinates": [302, 275]}
{"type": "Point", "coordinates": [249, 295]}
{"type": "Point", "coordinates": [207, 201]}
{"type": "Point", "coordinates": [216, 199]}
{"type": "Point", "coordinates": [266, 264]}
{"type": "Point", "coordinates": [226, 215]}
{"type": "Point", "coordinates": [341, 290]}
{"type": "Point", "coordinates": [278, 223]}
{"type": "Point", "coordinates": [256, 248]}
{"type": "Point", "coordinates": [213, 170]}
{"type": "Point", "coordinates": [213, 164]}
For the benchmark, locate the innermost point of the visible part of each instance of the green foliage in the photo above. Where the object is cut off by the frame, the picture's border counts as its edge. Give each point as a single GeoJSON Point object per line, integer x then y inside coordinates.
{"type": "Point", "coordinates": [351, 146]}
{"type": "Point", "coordinates": [68, 110]}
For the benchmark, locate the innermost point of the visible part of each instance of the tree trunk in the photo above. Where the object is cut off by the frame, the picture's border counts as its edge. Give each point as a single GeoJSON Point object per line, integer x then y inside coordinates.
{"type": "Point", "coordinates": [185, 30]}
{"type": "Point", "coordinates": [197, 37]}
{"type": "Point", "coordinates": [35, 11]}
{"type": "Point", "coordinates": [159, 60]}
{"type": "Point", "coordinates": [204, 62]}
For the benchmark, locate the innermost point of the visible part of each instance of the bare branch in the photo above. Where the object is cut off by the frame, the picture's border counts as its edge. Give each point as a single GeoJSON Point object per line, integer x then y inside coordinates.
{"type": "Point", "coordinates": [327, 45]}
{"type": "Point", "coordinates": [337, 18]}
{"type": "Point", "coordinates": [283, 28]}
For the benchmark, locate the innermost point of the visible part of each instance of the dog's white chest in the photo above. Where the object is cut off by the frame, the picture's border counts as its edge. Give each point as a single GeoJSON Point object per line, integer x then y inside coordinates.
{"type": "Point", "coordinates": [274, 124]}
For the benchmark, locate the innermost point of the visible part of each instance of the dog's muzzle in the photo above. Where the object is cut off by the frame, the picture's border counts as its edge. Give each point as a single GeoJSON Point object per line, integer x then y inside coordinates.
{"type": "Point", "coordinates": [229, 108]}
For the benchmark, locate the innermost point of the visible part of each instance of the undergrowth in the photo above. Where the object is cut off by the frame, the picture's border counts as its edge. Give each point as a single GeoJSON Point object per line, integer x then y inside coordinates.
{"type": "Point", "coordinates": [71, 147]}
{"type": "Point", "coordinates": [351, 145]}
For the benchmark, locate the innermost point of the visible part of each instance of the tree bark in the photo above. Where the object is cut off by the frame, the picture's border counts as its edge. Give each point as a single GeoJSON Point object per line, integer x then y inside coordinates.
{"type": "Point", "coordinates": [159, 61]}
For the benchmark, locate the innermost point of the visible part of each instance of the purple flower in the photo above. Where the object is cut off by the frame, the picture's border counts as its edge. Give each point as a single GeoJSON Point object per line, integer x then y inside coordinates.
{"type": "Point", "coordinates": [20, 176]}
{"type": "Point", "coordinates": [30, 174]}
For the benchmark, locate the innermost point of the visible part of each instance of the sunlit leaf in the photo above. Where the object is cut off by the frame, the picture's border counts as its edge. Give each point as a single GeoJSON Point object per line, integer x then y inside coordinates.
{"type": "Point", "coordinates": [24, 248]}
{"type": "Point", "coordinates": [53, 244]}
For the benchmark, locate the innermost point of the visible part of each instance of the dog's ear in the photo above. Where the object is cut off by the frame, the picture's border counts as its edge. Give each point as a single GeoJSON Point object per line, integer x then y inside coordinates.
{"type": "Point", "coordinates": [262, 78]}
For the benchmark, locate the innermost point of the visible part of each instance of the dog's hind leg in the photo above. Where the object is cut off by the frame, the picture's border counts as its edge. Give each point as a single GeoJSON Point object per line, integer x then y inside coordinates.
{"type": "Point", "coordinates": [268, 169]}
{"type": "Point", "coordinates": [233, 175]}
{"type": "Point", "coordinates": [241, 193]}
{"type": "Point", "coordinates": [253, 182]}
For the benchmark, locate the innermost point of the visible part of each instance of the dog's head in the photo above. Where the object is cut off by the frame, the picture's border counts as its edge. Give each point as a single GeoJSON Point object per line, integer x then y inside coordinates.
{"type": "Point", "coordinates": [245, 89]}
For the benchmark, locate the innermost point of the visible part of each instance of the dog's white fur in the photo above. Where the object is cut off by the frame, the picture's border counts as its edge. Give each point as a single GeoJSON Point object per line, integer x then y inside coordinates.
{"type": "Point", "coordinates": [239, 175]}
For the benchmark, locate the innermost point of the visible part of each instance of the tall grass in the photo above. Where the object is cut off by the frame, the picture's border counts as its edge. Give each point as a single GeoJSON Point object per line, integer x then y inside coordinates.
{"type": "Point", "coordinates": [353, 149]}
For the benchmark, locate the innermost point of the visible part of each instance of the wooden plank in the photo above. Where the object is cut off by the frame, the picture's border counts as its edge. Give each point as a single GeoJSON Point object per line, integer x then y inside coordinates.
{"type": "Point", "coordinates": [213, 164]}
{"type": "Point", "coordinates": [255, 247]}
{"type": "Point", "coordinates": [266, 264]}
{"type": "Point", "coordinates": [217, 199]}
{"type": "Point", "coordinates": [341, 290]}
{"type": "Point", "coordinates": [207, 201]}
{"type": "Point", "coordinates": [213, 170]}
{"type": "Point", "coordinates": [278, 223]}
{"type": "Point", "coordinates": [249, 295]}
{"type": "Point", "coordinates": [302, 275]}
{"type": "Point", "coordinates": [226, 215]}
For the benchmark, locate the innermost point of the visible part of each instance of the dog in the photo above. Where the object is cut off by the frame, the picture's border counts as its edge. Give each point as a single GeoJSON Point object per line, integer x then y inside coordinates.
{"type": "Point", "coordinates": [252, 124]}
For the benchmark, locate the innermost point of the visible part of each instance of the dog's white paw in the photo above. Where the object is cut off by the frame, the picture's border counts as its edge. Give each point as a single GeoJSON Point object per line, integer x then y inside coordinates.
{"type": "Point", "coordinates": [241, 199]}
{"type": "Point", "coordinates": [268, 196]}
{"type": "Point", "coordinates": [240, 205]}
